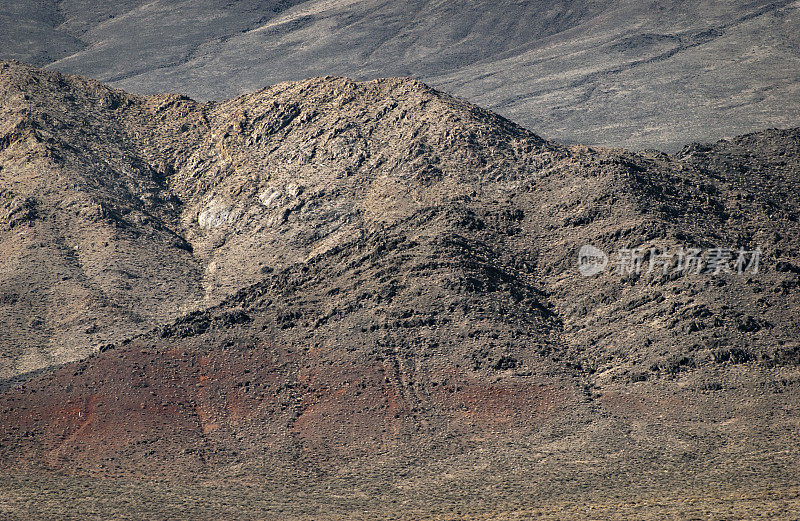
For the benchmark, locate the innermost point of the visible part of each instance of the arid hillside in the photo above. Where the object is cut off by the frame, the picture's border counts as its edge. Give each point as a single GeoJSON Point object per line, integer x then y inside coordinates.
{"type": "Point", "coordinates": [376, 286]}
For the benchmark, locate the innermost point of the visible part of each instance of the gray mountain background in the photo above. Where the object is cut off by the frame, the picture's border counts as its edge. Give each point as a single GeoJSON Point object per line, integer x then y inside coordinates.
{"type": "Point", "coordinates": [652, 74]}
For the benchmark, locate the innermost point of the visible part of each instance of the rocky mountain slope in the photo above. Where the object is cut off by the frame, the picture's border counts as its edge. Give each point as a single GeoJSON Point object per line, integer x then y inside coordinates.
{"type": "Point", "coordinates": [376, 285]}
{"type": "Point", "coordinates": [635, 74]}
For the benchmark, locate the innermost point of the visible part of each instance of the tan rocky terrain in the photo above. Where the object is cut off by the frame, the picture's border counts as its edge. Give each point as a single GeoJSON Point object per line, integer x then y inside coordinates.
{"type": "Point", "coordinates": [368, 294]}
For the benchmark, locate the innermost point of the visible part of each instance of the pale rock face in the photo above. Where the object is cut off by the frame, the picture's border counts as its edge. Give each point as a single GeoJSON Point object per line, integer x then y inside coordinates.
{"type": "Point", "coordinates": [294, 189]}
{"type": "Point", "coordinates": [217, 214]}
{"type": "Point", "coordinates": [271, 196]}
{"type": "Point", "coordinates": [267, 197]}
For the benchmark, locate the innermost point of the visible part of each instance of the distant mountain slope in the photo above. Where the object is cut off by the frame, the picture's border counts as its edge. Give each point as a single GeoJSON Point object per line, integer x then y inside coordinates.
{"type": "Point", "coordinates": [635, 74]}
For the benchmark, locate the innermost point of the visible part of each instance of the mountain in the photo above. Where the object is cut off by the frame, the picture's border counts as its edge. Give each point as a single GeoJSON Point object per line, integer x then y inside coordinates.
{"type": "Point", "coordinates": [369, 294]}
{"type": "Point", "coordinates": [651, 74]}
{"type": "Point", "coordinates": [125, 212]}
